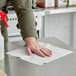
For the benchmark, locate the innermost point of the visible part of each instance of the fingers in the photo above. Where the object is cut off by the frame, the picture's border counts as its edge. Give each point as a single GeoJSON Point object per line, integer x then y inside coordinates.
{"type": "Point", "coordinates": [2, 73]}
{"type": "Point", "coordinates": [47, 51]}
{"type": "Point", "coordinates": [39, 50]}
{"type": "Point", "coordinates": [28, 50]}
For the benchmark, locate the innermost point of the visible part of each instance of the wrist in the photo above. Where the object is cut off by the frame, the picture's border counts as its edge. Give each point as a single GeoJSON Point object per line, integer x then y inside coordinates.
{"type": "Point", "coordinates": [30, 40]}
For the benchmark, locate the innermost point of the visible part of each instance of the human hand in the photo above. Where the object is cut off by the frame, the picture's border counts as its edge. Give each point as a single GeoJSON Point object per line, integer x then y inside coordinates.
{"type": "Point", "coordinates": [33, 47]}
{"type": "Point", "coordinates": [2, 73]}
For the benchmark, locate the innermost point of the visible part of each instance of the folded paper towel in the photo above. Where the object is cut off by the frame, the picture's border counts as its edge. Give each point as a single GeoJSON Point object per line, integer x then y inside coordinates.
{"type": "Point", "coordinates": [35, 59]}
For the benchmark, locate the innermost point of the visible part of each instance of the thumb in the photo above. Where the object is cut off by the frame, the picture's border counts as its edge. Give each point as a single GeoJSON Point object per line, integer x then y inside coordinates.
{"type": "Point", "coordinates": [28, 50]}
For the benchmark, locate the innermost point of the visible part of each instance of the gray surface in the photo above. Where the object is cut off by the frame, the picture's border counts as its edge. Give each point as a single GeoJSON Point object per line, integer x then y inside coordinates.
{"type": "Point", "coordinates": [65, 66]}
{"type": "Point", "coordinates": [2, 64]}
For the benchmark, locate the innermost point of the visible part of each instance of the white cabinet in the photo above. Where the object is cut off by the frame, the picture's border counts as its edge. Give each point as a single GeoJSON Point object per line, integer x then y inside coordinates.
{"type": "Point", "coordinates": [58, 25]}
{"type": "Point", "coordinates": [74, 32]}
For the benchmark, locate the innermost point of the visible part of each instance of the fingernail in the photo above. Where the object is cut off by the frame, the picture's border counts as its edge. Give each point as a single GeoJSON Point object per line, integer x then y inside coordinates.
{"type": "Point", "coordinates": [44, 56]}
{"type": "Point", "coordinates": [50, 51]}
{"type": "Point", "coordinates": [50, 54]}
{"type": "Point", "coordinates": [29, 54]}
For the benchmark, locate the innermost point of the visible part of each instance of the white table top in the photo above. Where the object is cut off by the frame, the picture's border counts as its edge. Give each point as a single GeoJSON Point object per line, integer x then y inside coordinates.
{"type": "Point", "coordinates": [65, 66]}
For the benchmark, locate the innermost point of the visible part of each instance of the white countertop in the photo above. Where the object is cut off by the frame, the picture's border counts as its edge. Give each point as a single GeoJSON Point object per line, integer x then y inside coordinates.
{"type": "Point", "coordinates": [65, 66]}
{"type": "Point", "coordinates": [44, 11]}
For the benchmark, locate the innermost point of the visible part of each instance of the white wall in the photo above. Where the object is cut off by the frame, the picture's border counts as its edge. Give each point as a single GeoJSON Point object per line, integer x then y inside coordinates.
{"type": "Point", "coordinates": [74, 28]}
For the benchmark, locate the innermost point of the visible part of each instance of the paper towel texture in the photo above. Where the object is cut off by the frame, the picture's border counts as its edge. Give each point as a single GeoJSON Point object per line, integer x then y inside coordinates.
{"type": "Point", "coordinates": [35, 59]}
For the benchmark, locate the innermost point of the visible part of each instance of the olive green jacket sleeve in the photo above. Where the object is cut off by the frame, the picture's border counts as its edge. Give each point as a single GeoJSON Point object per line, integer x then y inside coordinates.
{"type": "Point", "coordinates": [25, 15]}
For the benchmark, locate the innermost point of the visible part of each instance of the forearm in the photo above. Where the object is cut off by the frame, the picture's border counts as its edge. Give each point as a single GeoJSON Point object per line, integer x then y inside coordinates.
{"type": "Point", "coordinates": [25, 18]}
{"type": "Point", "coordinates": [27, 24]}
{"type": "Point", "coordinates": [30, 40]}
